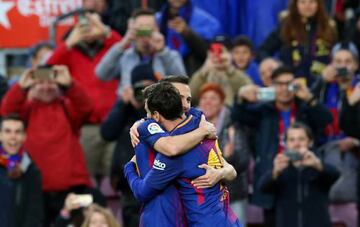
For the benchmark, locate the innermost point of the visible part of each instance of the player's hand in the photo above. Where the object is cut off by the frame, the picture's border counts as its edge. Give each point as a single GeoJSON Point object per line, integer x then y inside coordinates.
{"type": "Point", "coordinates": [134, 134]}
{"type": "Point", "coordinates": [26, 79]}
{"type": "Point", "coordinates": [211, 177]}
{"type": "Point", "coordinates": [209, 128]}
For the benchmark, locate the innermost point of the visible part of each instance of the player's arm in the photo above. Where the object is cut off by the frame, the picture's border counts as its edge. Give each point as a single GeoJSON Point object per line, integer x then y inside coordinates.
{"type": "Point", "coordinates": [163, 172]}
{"type": "Point", "coordinates": [176, 145]}
{"type": "Point", "coordinates": [213, 176]}
{"type": "Point", "coordinates": [170, 146]}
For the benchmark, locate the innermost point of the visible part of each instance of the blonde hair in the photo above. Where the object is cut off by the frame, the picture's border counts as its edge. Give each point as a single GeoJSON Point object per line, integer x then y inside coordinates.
{"type": "Point", "coordinates": [109, 217]}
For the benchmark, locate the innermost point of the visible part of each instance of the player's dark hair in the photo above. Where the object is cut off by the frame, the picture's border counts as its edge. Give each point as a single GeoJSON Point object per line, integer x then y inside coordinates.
{"type": "Point", "coordinates": [299, 125]}
{"type": "Point", "coordinates": [165, 99]}
{"type": "Point", "coordinates": [148, 90]}
{"type": "Point", "coordinates": [12, 117]}
{"type": "Point", "coordinates": [176, 79]}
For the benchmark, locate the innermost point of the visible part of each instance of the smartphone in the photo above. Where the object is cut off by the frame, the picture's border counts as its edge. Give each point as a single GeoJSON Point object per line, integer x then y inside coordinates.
{"type": "Point", "coordinates": [293, 155]}
{"type": "Point", "coordinates": [83, 20]}
{"type": "Point", "coordinates": [342, 72]}
{"type": "Point", "coordinates": [266, 94]}
{"type": "Point", "coordinates": [84, 200]}
{"type": "Point", "coordinates": [216, 49]}
{"type": "Point", "coordinates": [44, 73]}
{"type": "Point", "coordinates": [144, 32]}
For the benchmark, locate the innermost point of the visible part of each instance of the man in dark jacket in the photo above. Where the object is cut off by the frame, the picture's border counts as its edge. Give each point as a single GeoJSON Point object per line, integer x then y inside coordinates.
{"type": "Point", "coordinates": [270, 119]}
{"type": "Point", "coordinates": [300, 182]}
{"type": "Point", "coordinates": [20, 182]}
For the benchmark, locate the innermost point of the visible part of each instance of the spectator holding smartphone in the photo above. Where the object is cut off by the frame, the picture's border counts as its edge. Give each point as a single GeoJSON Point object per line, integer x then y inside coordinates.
{"type": "Point", "coordinates": [334, 89]}
{"type": "Point", "coordinates": [187, 29]}
{"type": "Point", "coordinates": [300, 182]}
{"type": "Point", "coordinates": [55, 110]}
{"type": "Point", "coordinates": [218, 68]}
{"type": "Point", "coordinates": [271, 119]}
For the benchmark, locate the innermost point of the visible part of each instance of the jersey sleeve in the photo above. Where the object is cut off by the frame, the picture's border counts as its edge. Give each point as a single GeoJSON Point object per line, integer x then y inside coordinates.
{"type": "Point", "coordinates": [150, 132]}
{"type": "Point", "coordinates": [195, 112]}
{"type": "Point", "coordinates": [163, 172]}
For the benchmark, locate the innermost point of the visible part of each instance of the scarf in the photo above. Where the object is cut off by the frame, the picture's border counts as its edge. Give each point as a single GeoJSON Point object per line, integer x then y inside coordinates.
{"type": "Point", "coordinates": [11, 162]}
{"type": "Point", "coordinates": [174, 39]}
{"type": "Point", "coordinates": [286, 118]}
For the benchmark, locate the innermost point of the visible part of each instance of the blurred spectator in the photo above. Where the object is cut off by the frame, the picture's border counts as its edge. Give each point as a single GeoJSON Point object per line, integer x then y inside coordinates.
{"type": "Point", "coordinates": [148, 48]}
{"type": "Point", "coordinates": [38, 56]}
{"type": "Point", "coordinates": [80, 52]}
{"type": "Point", "coordinates": [116, 128]}
{"type": "Point", "coordinates": [99, 217]}
{"type": "Point", "coordinates": [266, 68]}
{"type": "Point", "coordinates": [20, 187]}
{"type": "Point", "coordinates": [300, 182]}
{"type": "Point", "coordinates": [102, 7]}
{"type": "Point", "coordinates": [304, 38]}
{"type": "Point", "coordinates": [271, 119]}
{"type": "Point", "coordinates": [76, 208]}
{"type": "Point", "coordinates": [40, 53]}
{"type": "Point", "coordinates": [338, 80]}
{"type": "Point", "coordinates": [231, 142]}
{"type": "Point", "coordinates": [218, 68]}
{"type": "Point", "coordinates": [243, 57]}
{"type": "Point", "coordinates": [55, 110]}
{"type": "Point", "coordinates": [121, 10]}
{"type": "Point", "coordinates": [186, 28]}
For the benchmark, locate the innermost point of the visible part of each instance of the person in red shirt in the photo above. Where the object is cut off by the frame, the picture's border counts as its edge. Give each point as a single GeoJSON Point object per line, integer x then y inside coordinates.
{"type": "Point", "coordinates": [54, 108]}
{"type": "Point", "coordinates": [81, 51]}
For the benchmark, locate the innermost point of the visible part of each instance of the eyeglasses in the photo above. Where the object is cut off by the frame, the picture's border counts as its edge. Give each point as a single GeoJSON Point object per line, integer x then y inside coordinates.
{"type": "Point", "coordinates": [282, 83]}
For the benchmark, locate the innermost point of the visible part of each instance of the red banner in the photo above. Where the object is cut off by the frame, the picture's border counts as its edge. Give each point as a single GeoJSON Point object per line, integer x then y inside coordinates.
{"type": "Point", "coordinates": [26, 22]}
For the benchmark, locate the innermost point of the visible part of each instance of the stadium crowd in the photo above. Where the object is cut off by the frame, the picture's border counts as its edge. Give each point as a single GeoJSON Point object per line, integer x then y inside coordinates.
{"type": "Point", "coordinates": [283, 106]}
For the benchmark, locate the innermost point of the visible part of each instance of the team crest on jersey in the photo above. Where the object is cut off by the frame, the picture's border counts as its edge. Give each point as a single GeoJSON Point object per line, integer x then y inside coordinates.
{"type": "Point", "coordinates": [154, 128]}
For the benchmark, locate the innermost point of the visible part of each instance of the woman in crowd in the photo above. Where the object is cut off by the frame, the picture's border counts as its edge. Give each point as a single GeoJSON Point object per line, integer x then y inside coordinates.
{"type": "Point", "coordinates": [304, 38]}
{"type": "Point", "coordinates": [99, 217]}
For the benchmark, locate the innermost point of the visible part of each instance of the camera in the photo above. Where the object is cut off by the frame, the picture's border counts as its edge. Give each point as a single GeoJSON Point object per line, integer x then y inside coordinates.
{"type": "Point", "coordinates": [342, 72]}
{"type": "Point", "coordinates": [84, 200]}
{"type": "Point", "coordinates": [266, 94]}
{"type": "Point", "coordinates": [83, 20]}
{"type": "Point", "coordinates": [293, 155]}
{"type": "Point", "coordinates": [44, 73]}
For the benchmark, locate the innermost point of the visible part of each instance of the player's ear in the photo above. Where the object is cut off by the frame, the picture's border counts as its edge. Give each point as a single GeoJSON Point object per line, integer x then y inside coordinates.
{"type": "Point", "coordinates": [156, 116]}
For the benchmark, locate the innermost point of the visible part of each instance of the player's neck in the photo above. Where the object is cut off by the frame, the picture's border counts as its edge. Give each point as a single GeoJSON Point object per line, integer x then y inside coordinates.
{"type": "Point", "coordinates": [171, 124]}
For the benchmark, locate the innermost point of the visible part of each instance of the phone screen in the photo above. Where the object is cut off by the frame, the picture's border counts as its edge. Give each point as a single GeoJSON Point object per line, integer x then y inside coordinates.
{"type": "Point", "coordinates": [43, 74]}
